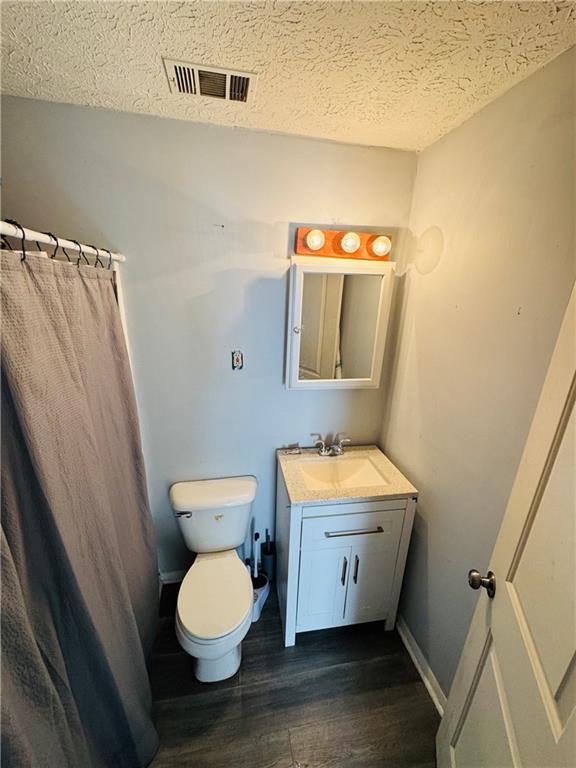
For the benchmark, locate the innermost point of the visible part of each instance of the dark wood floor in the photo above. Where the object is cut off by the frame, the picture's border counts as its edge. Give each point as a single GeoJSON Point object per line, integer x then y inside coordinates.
{"type": "Point", "coordinates": [341, 698]}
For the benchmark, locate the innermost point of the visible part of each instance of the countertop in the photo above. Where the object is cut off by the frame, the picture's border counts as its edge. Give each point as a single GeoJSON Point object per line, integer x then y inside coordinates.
{"type": "Point", "coordinates": [298, 493]}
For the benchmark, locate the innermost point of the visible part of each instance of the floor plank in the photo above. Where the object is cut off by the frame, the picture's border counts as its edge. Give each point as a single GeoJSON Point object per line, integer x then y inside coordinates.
{"type": "Point", "coordinates": [268, 751]}
{"type": "Point", "coordinates": [347, 689]}
{"type": "Point", "coordinates": [395, 735]}
{"type": "Point", "coordinates": [345, 698]}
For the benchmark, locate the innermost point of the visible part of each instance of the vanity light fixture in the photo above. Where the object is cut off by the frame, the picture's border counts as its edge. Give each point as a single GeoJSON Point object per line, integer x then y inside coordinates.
{"type": "Point", "coordinates": [350, 242]}
{"type": "Point", "coordinates": [315, 239]}
{"type": "Point", "coordinates": [381, 246]}
{"type": "Point", "coordinates": [342, 244]}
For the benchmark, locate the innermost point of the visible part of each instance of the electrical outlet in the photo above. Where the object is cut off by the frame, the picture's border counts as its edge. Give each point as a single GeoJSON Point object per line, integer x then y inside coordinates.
{"type": "Point", "coordinates": [237, 360]}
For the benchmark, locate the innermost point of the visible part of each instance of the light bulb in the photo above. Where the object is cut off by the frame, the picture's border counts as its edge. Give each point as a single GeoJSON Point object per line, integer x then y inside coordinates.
{"type": "Point", "coordinates": [315, 239]}
{"type": "Point", "coordinates": [350, 242]}
{"type": "Point", "coordinates": [381, 246]}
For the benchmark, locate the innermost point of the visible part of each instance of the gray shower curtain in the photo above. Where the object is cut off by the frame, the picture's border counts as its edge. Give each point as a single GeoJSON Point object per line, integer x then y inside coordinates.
{"type": "Point", "coordinates": [79, 576]}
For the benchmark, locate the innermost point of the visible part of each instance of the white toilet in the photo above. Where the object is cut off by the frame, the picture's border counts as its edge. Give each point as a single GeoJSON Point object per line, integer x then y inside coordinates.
{"type": "Point", "coordinates": [214, 610]}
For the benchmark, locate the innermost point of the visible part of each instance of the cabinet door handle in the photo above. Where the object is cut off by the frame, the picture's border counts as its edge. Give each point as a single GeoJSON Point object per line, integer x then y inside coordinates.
{"type": "Point", "coordinates": [356, 564]}
{"type": "Point", "coordinates": [360, 532]}
{"type": "Point", "coordinates": [344, 569]}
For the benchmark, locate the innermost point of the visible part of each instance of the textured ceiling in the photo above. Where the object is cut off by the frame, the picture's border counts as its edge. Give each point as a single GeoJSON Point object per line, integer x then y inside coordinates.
{"type": "Point", "coordinates": [397, 74]}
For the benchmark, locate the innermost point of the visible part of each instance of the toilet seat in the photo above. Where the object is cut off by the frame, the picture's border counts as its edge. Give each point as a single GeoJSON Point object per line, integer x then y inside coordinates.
{"type": "Point", "coordinates": [215, 599]}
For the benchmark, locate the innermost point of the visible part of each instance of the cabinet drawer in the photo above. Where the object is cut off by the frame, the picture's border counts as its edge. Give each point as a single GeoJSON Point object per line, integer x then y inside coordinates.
{"type": "Point", "coordinates": [352, 507]}
{"type": "Point", "coordinates": [380, 529]}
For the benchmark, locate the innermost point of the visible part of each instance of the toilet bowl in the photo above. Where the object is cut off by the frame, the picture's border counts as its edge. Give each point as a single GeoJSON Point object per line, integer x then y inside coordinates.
{"type": "Point", "coordinates": [214, 614]}
{"type": "Point", "coordinates": [214, 610]}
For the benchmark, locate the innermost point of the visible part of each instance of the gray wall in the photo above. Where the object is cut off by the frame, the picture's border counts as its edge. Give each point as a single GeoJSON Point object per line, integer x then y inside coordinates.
{"type": "Point", "coordinates": [491, 268]}
{"type": "Point", "coordinates": [203, 215]}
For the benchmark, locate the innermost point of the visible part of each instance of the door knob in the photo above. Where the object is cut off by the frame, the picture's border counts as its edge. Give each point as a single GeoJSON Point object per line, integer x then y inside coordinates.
{"type": "Point", "coordinates": [475, 580]}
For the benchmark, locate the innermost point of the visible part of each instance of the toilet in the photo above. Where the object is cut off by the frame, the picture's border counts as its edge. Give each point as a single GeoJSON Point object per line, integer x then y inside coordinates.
{"type": "Point", "coordinates": [214, 609]}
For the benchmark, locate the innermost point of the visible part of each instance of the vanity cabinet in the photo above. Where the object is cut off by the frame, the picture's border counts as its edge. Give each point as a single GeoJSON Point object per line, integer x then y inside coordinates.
{"type": "Point", "coordinates": [341, 561]}
{"type": "Point", "coordinates": [346, 567]}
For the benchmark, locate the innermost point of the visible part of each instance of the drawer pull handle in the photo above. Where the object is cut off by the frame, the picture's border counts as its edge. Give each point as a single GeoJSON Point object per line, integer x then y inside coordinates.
{"type": "Point", "coordinates": [344, 569]}
{"type": "Point", "coordinates": [356, 564]}
{"type": "Point", "coordinates": [361, 532]}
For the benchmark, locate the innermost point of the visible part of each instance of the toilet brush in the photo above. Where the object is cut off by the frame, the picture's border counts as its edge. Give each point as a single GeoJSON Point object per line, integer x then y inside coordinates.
{"type": "Point", "coordinates": [256, 554]}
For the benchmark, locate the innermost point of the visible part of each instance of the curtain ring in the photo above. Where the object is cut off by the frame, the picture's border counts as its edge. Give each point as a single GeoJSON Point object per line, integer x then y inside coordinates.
{"type": "Point", "coordinates": [109, 257]}
{"type": "Point", "coordinates": [98, 261]}
{"type": "Point", "coordinates": [23, 236]}
{"type": "Point", "coordinates": [56, 246]}
{"type": "Point", "coordinates": [81, 254]}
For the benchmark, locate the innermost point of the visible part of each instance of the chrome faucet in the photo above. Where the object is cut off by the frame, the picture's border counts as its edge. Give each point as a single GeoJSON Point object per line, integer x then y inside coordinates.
{"type": "Point", "coordinates": [323, 449]}
{"type": "Point", "coordinates": [337, 447]}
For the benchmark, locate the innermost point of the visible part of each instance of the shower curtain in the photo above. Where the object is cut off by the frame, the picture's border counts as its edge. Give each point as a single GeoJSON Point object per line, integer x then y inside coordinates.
{"type": "Point", "coordinates": [79, 576]}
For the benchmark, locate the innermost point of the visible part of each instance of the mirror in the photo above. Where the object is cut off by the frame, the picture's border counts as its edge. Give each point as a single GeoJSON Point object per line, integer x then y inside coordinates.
{"type": "Point", "coordinates": [338, 323]}
{"type": "Point", "coordinates": [339, 318]}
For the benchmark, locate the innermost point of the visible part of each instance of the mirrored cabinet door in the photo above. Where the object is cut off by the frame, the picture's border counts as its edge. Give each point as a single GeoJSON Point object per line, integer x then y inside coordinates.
{"type": "Point", "coordinates": [338, 321]}
{"type": "Point", "coordinates": [320, 326]}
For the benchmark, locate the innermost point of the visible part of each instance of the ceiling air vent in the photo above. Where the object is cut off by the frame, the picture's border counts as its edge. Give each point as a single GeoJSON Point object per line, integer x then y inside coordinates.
{"type": "Point", "coordinates": [239, 85]}
{"type": "Point", "coordinates": [198, 80]}
{"type": "Point", "coordinates": [185, 79]}
{"type": "Point", "coordinates": [212, 84]}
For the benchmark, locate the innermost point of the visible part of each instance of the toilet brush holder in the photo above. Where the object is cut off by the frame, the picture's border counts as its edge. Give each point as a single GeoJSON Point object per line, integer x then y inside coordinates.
{"type": "Point", "coordinates": [261, 587]}
{"type": "Point", "coordinates": [268, 557]}
{"type": "Point", "coordinates": [269, 561]}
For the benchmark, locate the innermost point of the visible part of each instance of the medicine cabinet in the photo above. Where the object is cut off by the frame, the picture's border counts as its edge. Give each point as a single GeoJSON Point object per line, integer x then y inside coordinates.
{"type": "Point", "coordinates": [337, 322]}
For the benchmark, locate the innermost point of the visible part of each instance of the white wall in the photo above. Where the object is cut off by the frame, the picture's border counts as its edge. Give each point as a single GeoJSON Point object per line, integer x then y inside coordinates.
{"type": "Point", "coordinates": [203, 215]}
{"type": "Point", "coordinates": [492, 268]}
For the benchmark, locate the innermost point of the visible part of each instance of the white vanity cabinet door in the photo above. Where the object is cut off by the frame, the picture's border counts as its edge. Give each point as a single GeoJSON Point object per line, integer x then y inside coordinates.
{"type": "Point", "coordinates": [324, 575]}
{"type": "Point", "coordinates": [371, 574]}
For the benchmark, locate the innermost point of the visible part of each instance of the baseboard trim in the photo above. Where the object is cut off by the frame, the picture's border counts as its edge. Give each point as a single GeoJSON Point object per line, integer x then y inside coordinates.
{"type": "Point", "coordinates": [172, 577]}
{"type": "Point", "coordinates": [428, 677]}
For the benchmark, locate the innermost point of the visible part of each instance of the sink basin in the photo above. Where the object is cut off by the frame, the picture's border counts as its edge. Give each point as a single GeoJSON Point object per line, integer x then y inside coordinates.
{"type": "Point", "coordinates": [340, 473]}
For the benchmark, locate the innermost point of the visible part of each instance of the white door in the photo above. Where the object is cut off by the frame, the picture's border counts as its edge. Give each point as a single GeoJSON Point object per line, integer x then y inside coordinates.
{"type": "Point", "coordinates": [320, 325]}
{"type": "Point", "coordinates": [371, 574]}
{"type": "Point", "coordinates": [322, 587]}
{"type": "Point", "coordinates": [513, 700]}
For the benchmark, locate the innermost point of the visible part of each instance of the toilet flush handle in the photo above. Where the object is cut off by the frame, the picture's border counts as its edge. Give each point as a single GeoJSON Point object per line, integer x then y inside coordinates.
{"type": "Point", "coordinates": [183, 514]}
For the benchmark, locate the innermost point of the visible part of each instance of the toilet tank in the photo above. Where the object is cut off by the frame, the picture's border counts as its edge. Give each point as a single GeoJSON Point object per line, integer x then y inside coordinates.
{"type": "Point", "coordinates": [214, 515]}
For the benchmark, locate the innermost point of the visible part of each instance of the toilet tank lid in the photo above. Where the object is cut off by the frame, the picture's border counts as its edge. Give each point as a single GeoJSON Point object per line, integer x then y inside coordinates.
{"type": "Point", "coordinates": [209, 494]}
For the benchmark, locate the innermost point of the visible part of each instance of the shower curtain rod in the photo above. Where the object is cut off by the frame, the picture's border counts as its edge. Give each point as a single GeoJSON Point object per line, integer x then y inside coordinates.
{"type": "Point", "coordinates": [41, 237]}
